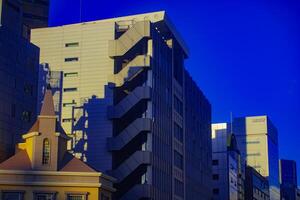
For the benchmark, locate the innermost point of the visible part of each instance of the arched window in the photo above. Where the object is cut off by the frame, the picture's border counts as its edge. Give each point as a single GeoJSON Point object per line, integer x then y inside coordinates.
{"type": "Point", "coordinates": [46, 151]}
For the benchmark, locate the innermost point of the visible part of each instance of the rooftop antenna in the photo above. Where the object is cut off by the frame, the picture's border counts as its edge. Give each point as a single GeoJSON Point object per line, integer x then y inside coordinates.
{"type": "Point", "coordinates": [231, 122]}
{"type": "Point", "coordinates": [80, 10]}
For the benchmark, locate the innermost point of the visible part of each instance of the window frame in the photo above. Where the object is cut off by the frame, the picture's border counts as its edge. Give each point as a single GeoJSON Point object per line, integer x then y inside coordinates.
{"type": "Point", "coordinates": [71, 59]}
{"type": "Point", "coordinates": [48, 152]}
{"type": "Point", "coordinates": [83, 194]}
{"type": "Point", "coordinates": [53, 193]}
{"type": "Point", "coordinates": [71, 44]}
{"type": "Point", "coordinates": [20, 192]}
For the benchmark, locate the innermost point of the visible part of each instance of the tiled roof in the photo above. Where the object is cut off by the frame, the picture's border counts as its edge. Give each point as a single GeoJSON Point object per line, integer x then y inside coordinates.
{"type": "Point", "coordinates": [72, 164]}
{"type": "Point", "coordinates": [20, 161]}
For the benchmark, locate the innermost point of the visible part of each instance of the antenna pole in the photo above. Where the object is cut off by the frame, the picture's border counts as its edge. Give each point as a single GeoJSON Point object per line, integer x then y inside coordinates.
{"type": "Point", "coordinates": [80, 10]}
{"type": "Point", "coordinates": [230, 122]}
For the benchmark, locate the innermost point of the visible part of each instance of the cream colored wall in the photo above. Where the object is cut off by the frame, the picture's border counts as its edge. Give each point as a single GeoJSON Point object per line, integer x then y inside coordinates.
{"type": "Point", "coordinates": [256, 128]}
{"type": "Point", "coordinates": [93, 193]}
{"type": "Point", "coordinates": [94, 65]}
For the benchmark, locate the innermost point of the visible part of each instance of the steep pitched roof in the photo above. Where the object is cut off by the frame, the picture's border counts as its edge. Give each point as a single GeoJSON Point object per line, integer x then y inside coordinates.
{"type": "Point", "coordinates": [35, 127]}
{"type": "Point", "coordinates": [20, 161]}
{"type": "Point", "coordinates": [48, 105]}
{"type": "Point", "coordinates": [72, 164]}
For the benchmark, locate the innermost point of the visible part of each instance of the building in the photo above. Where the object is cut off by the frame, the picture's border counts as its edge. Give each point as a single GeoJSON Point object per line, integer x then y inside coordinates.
{"type": "Point", "coordinates": [257, 140]}
{"type": "Point", "coordinates": [43, 169]}
{"type": "Point", "coordinates": [228, 174]}
{"type": "Point", "coordinates": [35, 13]}
{"type": "Point", "coordinates": [298, 194]}
{"type": "Point", "coordinates": [288, 179]}
{"type": "Point", "coordinates": [19, 62]}
{"type": "Point", "coordinates": [198, 169]}
{"type": "Point", "coordinates": [53, 80]}
{"type": "Point", "coordinates": [125, 100]}
{"type": "Point", "coordinates": [256, 186]}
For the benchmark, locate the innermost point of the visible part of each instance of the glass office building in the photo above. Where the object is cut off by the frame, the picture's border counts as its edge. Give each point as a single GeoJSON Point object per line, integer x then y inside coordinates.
{"type": "Point", "coordinates": [258, 142]}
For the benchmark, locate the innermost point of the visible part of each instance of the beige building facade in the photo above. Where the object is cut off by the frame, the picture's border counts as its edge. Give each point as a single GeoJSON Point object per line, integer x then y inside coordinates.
{"type": "Point", "coordinates": [43, 169]}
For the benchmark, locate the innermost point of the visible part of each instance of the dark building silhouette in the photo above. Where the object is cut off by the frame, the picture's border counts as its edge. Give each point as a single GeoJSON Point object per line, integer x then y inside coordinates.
{"type": "Point", "coordinates": [256, 186]}
{"type": "Point", "coordinates": [288, 179]}
{"type": "Point", "coordinates": [19, 62]}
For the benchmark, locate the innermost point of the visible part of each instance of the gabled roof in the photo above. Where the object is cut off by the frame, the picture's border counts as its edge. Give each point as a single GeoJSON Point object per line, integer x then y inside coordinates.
{"type": "Point", "coordinates": [72, 164]}
{"type": "Point", "coordinates": [20, 161]}
{"type": "Point", "coordinates": [35, 127]}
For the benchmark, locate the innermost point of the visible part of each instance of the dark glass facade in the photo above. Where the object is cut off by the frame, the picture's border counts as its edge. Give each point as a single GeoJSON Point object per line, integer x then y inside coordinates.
{"type": "Point", "coordinates": [19, 61]}
{"type": "Point", "coordinates": [288, 177]}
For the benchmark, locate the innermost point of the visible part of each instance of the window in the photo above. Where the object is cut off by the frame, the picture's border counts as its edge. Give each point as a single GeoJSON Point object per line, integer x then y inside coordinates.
{"type": "Point", "coordinates": [28, 89]}
{"type": "Point", "coordinates": [179, 188]}
{"type": "Point", "coordinates": [178, 132]}
{"type": "Point", "coordinates": [71, 74]}
{"type": "Point", "coordinates": [178, 160]}
{"type": "Point", "coordinates": [70, 89]}
{"type": "Point", "coordinates": [67, 120]}
{"type": "Point", "coordinates": [74, 59]}
{"type": "Point", "coordinates": [77, 196]}
{"type": "Point", "coordinates": [72, 44]}
{"type": "Point", "coordinates": [215, 162]}
{"type": "Point", "coordinates": [178, 105]}
{"type": "Point", "coordinates": [44, 195]}
{"type": "Point", "coordinates": [252, 142]}
{"type": "Point", "coordinates": [46, 152]}
{"type": "Point", "coordinates": [215, 176]}
{"type": "Point", "coordinates": [253, 154]}
{"type": "Point", "coordinates": [26, 116]}
{"type": "Point", "coordinates": [69, 104]}
{"type": "Point", "coordinates": [13, 195]}
{"type": "Point", "coordinates": [216, 191]}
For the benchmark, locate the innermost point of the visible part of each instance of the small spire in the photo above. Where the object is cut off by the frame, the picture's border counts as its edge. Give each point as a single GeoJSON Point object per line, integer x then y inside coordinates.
{"type": "Point", "coordinates": [48, 105]}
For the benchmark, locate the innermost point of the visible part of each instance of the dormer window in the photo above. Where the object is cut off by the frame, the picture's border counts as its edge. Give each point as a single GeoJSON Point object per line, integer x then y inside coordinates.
{"type": "Point", "coordinates": [46, 152]}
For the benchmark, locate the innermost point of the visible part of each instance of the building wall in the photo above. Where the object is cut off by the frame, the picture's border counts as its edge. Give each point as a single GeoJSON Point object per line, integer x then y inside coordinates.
{"type": "Point", "coordinates": [93, 192]}
{"type": "Point", "coordinates": [288, 179]}
{"type": "Point", "coordinates": [19, 62]}
{"type": "Point", "coordinates": [198, 142]}
{"type": "Point", "coordinates": [257, 140]}
{"type": "Point", "coordinates": [93, 69]}
{"type": "Point", "coordinates": [227, 166]}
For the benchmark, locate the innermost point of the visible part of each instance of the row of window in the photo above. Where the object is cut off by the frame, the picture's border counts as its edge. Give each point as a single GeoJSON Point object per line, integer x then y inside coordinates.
{"type": "Point", "coordinates": [19, 195]}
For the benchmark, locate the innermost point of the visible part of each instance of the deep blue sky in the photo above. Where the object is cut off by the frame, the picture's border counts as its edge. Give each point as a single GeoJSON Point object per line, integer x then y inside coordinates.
{"type": "Point", "coordinates": [245, 55]}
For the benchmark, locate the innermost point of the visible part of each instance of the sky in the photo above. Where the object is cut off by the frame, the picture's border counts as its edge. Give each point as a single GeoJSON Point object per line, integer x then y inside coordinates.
{"type": "Point", "coordinates": [244, 55]}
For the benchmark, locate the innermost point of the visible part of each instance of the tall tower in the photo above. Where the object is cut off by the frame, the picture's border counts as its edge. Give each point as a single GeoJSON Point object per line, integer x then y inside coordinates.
{"type": "Point", "coordinates": [130, 106]}
{"type": "Point", "coordinates": [257, 140]}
